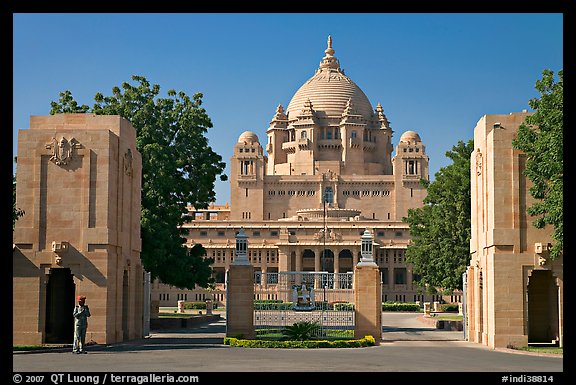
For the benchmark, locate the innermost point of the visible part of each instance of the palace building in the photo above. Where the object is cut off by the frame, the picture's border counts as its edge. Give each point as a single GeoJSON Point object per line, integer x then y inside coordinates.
{"type": "Point", "coordinates": [306, 191]}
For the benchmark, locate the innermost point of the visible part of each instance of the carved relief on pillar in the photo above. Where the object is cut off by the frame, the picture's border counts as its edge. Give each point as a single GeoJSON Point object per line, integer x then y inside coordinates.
{"type": "Point", "coordinates": [478, 162]}
{"type": "Point", "coordinates": [128, 162]}
{"type": "Point", "coordinates": [63, 150]}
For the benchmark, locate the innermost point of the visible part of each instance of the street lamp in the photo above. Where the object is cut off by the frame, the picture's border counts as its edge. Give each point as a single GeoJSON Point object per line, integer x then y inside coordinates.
{"type": "Point", "coordinates": [241, 248]}
{"type": "Point", "coordinates": [366, 255]}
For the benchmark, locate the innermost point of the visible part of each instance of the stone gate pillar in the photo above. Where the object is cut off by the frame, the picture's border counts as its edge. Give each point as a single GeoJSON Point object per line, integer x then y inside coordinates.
{"type": "Point", "coordinates": [240, 292]}
{"type": "Point", "coordinates": [367, 293]}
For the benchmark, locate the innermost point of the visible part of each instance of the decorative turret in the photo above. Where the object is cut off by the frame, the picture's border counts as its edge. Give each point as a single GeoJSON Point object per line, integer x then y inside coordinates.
{"type": "Point", "coordinates": [384, 123]}
{"type": "Point", "coordinates": [349, 114]}
{"type": "Point", "coordinates": [411, 160]}
{"type": "Point", "coordinates": [279, 120]}
{"type": "Point", "coordinates": [307, 110]}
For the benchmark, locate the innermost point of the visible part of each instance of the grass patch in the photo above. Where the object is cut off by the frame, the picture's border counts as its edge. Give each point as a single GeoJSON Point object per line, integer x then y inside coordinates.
{"type": "Point", "coordinates": [541, 349]}
{"type": "Point", "coordinates": [175, 315]}
{"type": "Point", "coordinates": [26, 348]}
{"type": "Point", "coordinates": [275, 334]}
{"type": "Point", "coordinates": [180, 315]}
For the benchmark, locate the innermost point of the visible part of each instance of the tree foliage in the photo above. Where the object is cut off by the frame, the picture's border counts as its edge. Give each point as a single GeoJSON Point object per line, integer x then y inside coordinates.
{"type": "Point", "coordinates": [541, 138]}
{"type": "Point", "coordinates": [178, 168]}
{"type": "Point", "coordinates": [440, 230]}
{"type": "Point", "coordinates": [16, 212]}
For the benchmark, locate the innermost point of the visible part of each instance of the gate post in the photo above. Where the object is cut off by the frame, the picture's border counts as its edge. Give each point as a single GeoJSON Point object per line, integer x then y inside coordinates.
{"type": "Point", "coordinates": [367, 294]}
{"type": "Point", "coordinates": [240, 292]}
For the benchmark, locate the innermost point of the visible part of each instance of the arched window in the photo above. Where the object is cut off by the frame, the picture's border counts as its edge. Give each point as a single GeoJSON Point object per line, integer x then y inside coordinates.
{"type": "Point", "coordinates": [303, 135]}
{"type": "Point", "coordinates": [354, 134]}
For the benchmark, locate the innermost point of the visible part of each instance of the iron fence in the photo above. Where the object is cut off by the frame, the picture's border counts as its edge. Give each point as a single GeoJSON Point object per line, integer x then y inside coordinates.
{"type": "Point", "coordinates": [285, 298]}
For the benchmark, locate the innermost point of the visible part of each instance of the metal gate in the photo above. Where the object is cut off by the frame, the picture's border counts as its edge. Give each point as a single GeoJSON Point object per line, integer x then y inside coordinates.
{"type": "Point", "coordinates": [285, 298]}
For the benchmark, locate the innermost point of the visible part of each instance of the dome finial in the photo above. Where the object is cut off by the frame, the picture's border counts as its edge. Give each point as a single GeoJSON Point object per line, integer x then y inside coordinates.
{"type": "Point", "coordinates": [329, 61]}
{"type": "Point", "coordinates": [329, 51]}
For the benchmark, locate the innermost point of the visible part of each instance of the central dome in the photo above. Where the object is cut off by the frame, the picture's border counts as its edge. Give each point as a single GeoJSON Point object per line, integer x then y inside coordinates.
{"type": "Point", "coordinates": [329, 91]}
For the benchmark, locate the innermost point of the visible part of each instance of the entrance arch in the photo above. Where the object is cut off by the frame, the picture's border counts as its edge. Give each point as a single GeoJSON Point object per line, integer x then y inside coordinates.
{"type": "Point", "coordinates": [60, 292]}
{"type": "Point", "coordinates": [308, 257]}
{"type": "Point", "coordinates": [346, 261]}
{"type": "Point", "coordinates": [543, 319]}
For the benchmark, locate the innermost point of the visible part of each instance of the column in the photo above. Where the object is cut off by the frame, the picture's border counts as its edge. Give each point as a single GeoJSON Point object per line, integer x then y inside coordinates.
{"type": "Point", "coordinates": [408, 278]}
{"type": "Point", "coordinates": [299, 258]}
{"type": "Point", "coordinates": [264, 279]}
{"type": "Point", "coordinates": [284, 263]}
{"type": "Point", "coordinates": [317, 261]}
{"type": "Point", "coordinates": [336, 268]}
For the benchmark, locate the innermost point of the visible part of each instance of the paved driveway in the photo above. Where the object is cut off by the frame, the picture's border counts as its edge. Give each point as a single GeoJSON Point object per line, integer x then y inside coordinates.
{"type": "Point", "coordinates": [408, 346]}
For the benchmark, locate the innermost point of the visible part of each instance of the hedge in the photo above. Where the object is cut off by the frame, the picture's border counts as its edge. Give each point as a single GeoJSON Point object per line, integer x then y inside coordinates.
{"type": "Point", "coordinates": [199, 305]}
{"type": "Point", "coordinates": [309, 344]}
{"type": "Point", "coordinates": [449, 308]}
{"type": "Point", "coordinates": [400, 306]}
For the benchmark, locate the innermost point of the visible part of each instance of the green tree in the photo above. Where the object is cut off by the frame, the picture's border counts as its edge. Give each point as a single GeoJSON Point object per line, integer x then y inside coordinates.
{"type": "Point", "coordinates": [541, 138]}
{"type": "Point", "coordinates": [440, 248]}
{"type": "Point", "coordinates": [178, 168]}
{"type": "Point", "coordinates": [16, 212]}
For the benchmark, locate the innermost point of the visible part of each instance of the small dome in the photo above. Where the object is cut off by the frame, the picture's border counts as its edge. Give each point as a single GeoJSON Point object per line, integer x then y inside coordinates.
{"type": "Point", "coordinates": [248, 137]}
{"type": "Point", "coordinates": [410, 136]}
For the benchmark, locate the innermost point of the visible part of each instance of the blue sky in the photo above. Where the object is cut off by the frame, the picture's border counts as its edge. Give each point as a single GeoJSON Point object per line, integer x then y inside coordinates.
{"type": "Point", "coordinates": [436, 74]}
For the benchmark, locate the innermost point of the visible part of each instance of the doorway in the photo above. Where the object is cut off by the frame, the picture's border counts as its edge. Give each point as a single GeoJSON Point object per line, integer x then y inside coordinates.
{"type": "Point", "coordinates": [60, 292]}
{"type": "Point", "coordinates": [542, 308]}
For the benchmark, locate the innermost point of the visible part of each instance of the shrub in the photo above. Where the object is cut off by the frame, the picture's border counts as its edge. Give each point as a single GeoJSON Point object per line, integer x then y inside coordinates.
{"type": "Point", "coordinates": [400, 306]}
{"type": "Point", "coordinates": [261, 301]}
{"type": "Point", "coordinates": [343, 306]}
{"type": "Point", "coordinates": [449, 308]}
{"type": "Point", "coordinates": [300, 331]}
{"type": "Point", "coordinates": [276, 305]}
{"type": "Point", "coordinates": [199, 305]}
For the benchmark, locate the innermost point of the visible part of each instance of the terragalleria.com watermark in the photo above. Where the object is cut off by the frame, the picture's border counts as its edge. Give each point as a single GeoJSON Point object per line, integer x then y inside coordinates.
{"type": "Point", "coordinates": [103, 378]}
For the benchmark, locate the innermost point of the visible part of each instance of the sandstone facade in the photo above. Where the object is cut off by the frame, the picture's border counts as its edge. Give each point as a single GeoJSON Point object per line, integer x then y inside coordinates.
{"type": "Point", "coordinates": [78, 181]}
{"type": "Point", "coordinates": [514, 291]}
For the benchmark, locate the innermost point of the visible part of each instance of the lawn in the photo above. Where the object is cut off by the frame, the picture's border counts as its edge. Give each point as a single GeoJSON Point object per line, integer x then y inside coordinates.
{"type": "Point", "coordinates": [542, 349]}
